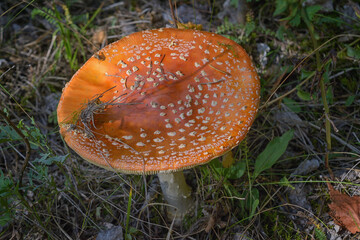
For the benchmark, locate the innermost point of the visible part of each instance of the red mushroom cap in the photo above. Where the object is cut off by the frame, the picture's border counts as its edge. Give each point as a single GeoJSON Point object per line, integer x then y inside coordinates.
{"type": "Point", "coordinates": [160, 100]}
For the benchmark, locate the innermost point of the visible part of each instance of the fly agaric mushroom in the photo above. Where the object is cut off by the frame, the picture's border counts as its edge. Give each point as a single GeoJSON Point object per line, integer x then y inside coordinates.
{"type": "Point", "coordinates": [160, 101]}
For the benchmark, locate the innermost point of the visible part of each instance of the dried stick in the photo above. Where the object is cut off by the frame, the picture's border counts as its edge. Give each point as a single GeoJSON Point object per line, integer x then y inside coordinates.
{"type": "Point", "coordinates": [173, 14]}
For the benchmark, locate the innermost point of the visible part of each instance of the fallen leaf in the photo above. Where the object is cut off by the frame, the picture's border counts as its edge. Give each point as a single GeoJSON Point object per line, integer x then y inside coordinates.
{"type": "Point", "coordinates": [210, 224]}
{"type": "Point", "coordinates": [189, 25]}
{"type": "Point", "coordinates": [345, 210]}
{"type": "Point", "coordinates": [99, 38]}
{"type": "Point", "coordinates": [228, 159]}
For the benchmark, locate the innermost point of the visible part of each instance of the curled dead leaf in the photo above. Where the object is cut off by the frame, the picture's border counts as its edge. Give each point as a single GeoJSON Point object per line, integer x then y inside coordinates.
{"type": "Point", "coordinates": [189, 25]}
{"type": "Point", "coordinates": [228, 159]}
{"type": "Point", "coordinates": [345, 210]}
{"type": "Point", "coordinates": [99, 39]}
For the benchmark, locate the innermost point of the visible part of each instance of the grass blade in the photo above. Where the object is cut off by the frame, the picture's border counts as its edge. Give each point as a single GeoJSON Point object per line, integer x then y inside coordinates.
{"type": "Point", "coordinates": [127, 236]}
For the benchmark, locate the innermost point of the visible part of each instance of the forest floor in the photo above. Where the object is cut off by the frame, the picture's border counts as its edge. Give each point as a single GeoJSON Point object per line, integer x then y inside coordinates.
{"type": "Point", "coordinates": [308, 59]}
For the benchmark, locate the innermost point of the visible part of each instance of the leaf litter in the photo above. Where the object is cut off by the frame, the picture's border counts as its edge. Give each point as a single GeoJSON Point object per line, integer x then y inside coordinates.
{"type": "Point", "coordinates": [345, 210]}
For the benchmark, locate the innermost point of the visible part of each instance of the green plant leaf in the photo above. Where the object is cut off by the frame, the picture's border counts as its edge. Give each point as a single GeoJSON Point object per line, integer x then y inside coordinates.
{"type": "Point", "coordinates": [320, 235]}
{"type": "Point", "coordinates": [5, 218]}
{"type": "Point", "coordinates": [251, 201]}
{"type": "Point", "coordinates": [237, 170]}
{"type": "Point", "coordinates": [249, 28]}
{"type": "Point", "coordinates": [254, 205]}
{"type": "Point", "coordinates": [294, 11]}
{"type": "Point", "coordinates": [6, 192]}
{"type": "Point", "coordinates": [312, 10]}
{"type": "Point", "coordinates": [8, 134]}
{"type": "Point", "coordinates": [293, 105]}
{"type": "Point", "coordinates": [330, 95]}
{"type": "Point", "coordinates": [281, 6]}
{"type": "Point", "coordinates": [303, 95]}
{"type": "Point", "coordinates": [280, 33]}
{"type": "Point", "coordinates": [353, 52]}
{"type": "Point", "coordinates": [350, 84]}
{"type": "Point", "coordinates": [295, 21]}
{"type": "Point", "coordinates": [305, 74]}
{"type": "Point", "coordinates": [133, 230]}
{"type": "Point", "coordinates": [285, 182]}
{"type": "Point", "coordinates": [272, 152]}
{"type": "Point", "coordinates": [6, 184]}
{"type": "Point", "coordinates": [349, 100]}
{"type": "Point", "coordinates": [218, 168]}
{"type": "Point", "coordinates": [234, 3]}
{"type": "Point", "coordinates": [45, 159]}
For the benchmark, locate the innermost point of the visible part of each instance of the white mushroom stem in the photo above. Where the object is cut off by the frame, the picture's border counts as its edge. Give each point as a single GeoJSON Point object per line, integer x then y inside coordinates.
{"type": "Point", "coordinates": [177, 194]}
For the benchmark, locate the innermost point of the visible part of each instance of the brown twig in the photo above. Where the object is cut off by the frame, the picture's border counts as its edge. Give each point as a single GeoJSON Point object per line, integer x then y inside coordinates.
{"type": "Point", "coordinates": [27, 144]}
{"type": "Point", "coordinates": [173, 14]}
